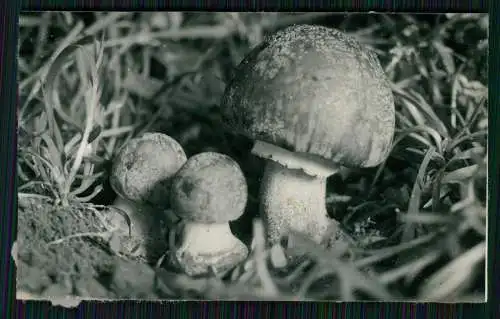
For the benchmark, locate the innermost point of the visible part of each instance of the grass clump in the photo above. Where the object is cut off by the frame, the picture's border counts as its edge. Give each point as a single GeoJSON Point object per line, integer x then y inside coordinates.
{"type": "Point", "coordinates": [91, 81]}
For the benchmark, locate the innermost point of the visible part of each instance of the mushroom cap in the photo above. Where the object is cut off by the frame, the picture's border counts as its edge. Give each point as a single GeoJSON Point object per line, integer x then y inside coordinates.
{"type": "Point", "coordinates": [313, 90]}
{"type": "Point", "coordinates": [143, 168]}
{"type": "Point", "coordinates": [209, 188]}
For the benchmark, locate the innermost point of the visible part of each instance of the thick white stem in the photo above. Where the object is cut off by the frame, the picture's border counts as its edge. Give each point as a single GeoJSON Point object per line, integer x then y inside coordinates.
{"type": "Point", "coordinates": [293, 200]}
{"type": "Point", "coordinates": [207, 246]}
{"type": "Point", "coordinates": [293, 193]}
{"type": "Point", "coordinates": [205, 238]}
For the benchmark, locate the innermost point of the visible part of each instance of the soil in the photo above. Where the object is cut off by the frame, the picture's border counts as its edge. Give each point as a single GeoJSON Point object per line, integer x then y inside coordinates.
{"type": "Point", "coordinates": [81, 266]}
{"type": "Point", "coordinates": [54, 264]}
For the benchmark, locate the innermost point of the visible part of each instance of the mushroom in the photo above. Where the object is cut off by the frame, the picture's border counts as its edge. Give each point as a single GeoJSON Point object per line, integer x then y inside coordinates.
{"type": "Point", "coordinates": [141, 177]}
{"type": "Point", "coordinates": [208, 192]}
{"type": "Point", "coordinates": [313, 100]}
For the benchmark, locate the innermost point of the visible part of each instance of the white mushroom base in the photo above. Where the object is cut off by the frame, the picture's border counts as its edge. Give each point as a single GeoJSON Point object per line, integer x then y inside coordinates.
{"type": "Point", "coordinates": [207, 247]}
{"type": "Point", "coordinates": [292, 193]}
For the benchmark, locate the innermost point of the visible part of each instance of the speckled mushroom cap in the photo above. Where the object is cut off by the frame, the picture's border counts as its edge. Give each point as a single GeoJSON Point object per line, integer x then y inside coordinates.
{"type": "Point", "coordinates": [313, 90]}
{"type": "Point", "coordinates": [209, 188]}
{"type": "Point", "coordinates": [143, 168]}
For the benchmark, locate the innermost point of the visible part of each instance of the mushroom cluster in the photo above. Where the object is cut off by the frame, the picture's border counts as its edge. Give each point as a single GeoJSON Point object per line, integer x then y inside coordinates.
{"type": "Point", "coordinates": [313, 99]}
{"type": "Point", "coordinates": [207, 191]}
{"type": "Point", "coordinates": [141, 177]}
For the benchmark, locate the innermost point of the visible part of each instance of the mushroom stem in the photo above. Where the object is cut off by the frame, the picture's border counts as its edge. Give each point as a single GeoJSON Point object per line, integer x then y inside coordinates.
{"type": "Point", "coordinates": [207, 246]}
{"type": "Point", "coordinates": [126, 205]}
{"type": "Point", "coordinates": [293, 192]}
{"type": "Point", "coordinates": [293, 200]}
{"type": "Point", "coordinates": [203, 238]}
{"type": "Point", "coordinates": [146, 229]}
{"type": "Point", "coordinates": [138, 215]}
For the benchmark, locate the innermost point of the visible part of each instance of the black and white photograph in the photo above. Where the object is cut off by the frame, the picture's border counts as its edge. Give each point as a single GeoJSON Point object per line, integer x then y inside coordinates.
{"type": "Point", "coordinates": [307, 156]}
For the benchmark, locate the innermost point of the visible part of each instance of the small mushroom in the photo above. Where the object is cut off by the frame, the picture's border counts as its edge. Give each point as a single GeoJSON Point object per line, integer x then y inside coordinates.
{"type": "Point", "coordinates": [141, 177]}
{"type": "Point", "coordinates": [313, 99]}
{"type": "Point", "coordinates": [208, 192]}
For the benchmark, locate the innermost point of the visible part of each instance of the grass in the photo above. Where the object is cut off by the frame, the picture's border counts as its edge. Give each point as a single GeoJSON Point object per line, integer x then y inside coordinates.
{"type": "Point", "coordinates": [91, 81]}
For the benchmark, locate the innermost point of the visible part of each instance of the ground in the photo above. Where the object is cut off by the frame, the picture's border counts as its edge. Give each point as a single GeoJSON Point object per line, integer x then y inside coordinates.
{"type": "Point", "coordinates": [72, 266]}
{"type": "Point", "coordinates": [418, 219]}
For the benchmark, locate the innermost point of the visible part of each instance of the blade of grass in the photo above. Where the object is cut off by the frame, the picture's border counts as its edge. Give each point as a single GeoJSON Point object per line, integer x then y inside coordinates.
{"type": "Point", "coordinates": [472, 136]}
{"type": "Point", "coordinates": [409, 270]}
{"type": "Point", "coordinates": [49, 89]}
{"type": "Point", "coordinates": [42, 35]}
{"type": "Point", "coordinates": [220, 31]}
{"type": "Point", "coordinates": [446, 56]}
{"type": "Point", "coordinates": [405, 133]}
{"type": "Point", "coordinates": [328, 259]}
{"type": "Point", "coordinates": [385, 253]}
{"type": "Point", "coordinates": [103, 23]}
{"type": "Point", "coordinates": [92, 102]}
{"type": "Point", "coordinates": [85, 183]}
{"type": "Point", "coordinates": [26, 21]}
{"type": "Point", "coordinates": [460, 175]}
{"type": "Point", "coordinates": [314, 274]}
{"type": "Point", "coordinates": [414, 204]}
{"type": "Point", "coordinates": [88, 198]}
{"type": "Point", "coordinates": [40, 76]}
{"type": "Point", "coordinates": [33, 183]}
{"type": "Point", "coordinates": [260, 259]}
{"type": "Point", "coordinates": [416, 99]}
{"type": "Point", "coordinates": [475, 114]}
{"type": "Point", "coordinates": [449, 278]}
{"type": "Point", "coordinates": [426, 218]}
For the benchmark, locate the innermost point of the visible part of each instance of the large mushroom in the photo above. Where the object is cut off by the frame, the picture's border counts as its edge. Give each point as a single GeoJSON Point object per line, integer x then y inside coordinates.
{"type": "Point", "coordinates": [141, 177]}
{"type": "Point", "coordinates": [313, 99]}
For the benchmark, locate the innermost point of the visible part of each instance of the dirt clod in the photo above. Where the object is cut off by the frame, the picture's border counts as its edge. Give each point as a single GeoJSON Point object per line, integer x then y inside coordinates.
{"type": "Point", "coordinates": [133, 280]}
{"type": "Point", "coordinates": [51, 269]}
{"type": "Point", "coordinates": [90, 288]}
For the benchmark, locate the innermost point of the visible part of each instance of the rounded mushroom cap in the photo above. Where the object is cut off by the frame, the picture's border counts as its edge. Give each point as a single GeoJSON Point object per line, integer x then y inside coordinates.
{"type": "Point", "coordinates": [209, 188]}
{"type": "Point", "coordinates": [315, 90]}
{"type": "Point", "coordinates": [143, 168]}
